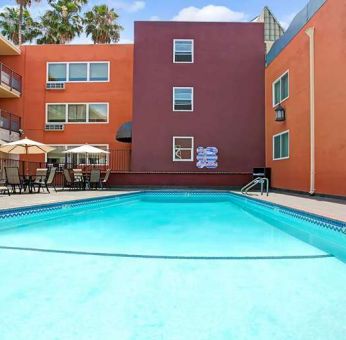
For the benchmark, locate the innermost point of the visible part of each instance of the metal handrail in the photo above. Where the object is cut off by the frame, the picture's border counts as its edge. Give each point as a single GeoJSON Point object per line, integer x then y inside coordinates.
{"type": "Point", "coordinates": [10, 78]}
{"type": "Point", "coordinates": [9, 121]}
{"type": "Point", "coordinates": [259, 180]}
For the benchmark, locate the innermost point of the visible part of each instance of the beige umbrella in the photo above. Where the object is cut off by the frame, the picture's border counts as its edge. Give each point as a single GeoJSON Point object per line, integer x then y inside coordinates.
{"type": "Point", "coordinates": [87, 150]}
{"type": "Point", "coordinates": [25, 146]}
{"type": "Point", "coordinates": [2, 142]}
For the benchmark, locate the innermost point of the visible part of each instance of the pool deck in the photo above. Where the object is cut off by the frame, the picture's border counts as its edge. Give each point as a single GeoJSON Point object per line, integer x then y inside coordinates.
{"type": "Point", "coordinates": [25, 200]}
{"type": "Point", "coordinates": [328, 207]}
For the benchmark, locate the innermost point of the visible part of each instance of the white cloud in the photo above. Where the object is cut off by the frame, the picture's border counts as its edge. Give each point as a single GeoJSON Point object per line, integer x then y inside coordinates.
{"type": "Point", "coordinates": [154, 18]}
{"type": "Point", "coordinates": [125, 41]}
{"type": "Point", "coordinates": [2, 8]}
{"type": "Point", "coordinates": [81, 40]}
{"type": "Point", "coordinates": [132, 7]}
{"type": "Point", "coordinates": [285, 22]}
{"type": "Point", "coordinates": [38, 9]}
{"type": "Point", "coordinates": [209, 13]}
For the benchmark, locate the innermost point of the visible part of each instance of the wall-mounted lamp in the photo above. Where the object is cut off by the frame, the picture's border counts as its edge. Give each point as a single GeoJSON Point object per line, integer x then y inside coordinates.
{"type": "Point", "coordinates": [280, 113]}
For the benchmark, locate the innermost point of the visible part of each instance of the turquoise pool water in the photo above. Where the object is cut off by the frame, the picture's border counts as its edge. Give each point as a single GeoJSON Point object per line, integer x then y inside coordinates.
{"type": "Point", "coordinates": [204, 266]}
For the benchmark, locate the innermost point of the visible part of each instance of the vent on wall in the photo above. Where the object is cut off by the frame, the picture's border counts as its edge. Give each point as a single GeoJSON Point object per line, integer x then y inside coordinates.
{"type": "Point", "coordinates": [55, 86]}
{"type": "Point", "coordinates": [54, 127]}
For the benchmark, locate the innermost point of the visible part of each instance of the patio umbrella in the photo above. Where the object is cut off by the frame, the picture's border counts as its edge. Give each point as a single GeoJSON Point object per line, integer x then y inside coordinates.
{"type": "Point", "coordinates": [87, 150]}
{"type": "Point", "coordinates": [25, 146]}
{"type": "Point", "coordinates": [2, 142]}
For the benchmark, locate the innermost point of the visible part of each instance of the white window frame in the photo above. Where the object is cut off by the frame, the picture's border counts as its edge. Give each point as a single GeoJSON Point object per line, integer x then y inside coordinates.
{"type": "Point", "coordinates": [193, 51]}
{"type": "Point", "coordinates": [273, 88]}
{"type": "Point", "coordinates": [87, 113]}
{"type": "Point", "coordinates": [78, 62]}
{"type": "Point", "coordinates": [76, 145]}
{"type": "Point", "coordinates": [192, 99]}
{"type": "Point", "coordinates": [288, 145]}
{"type": "Point", "coordinates": [192, 149]}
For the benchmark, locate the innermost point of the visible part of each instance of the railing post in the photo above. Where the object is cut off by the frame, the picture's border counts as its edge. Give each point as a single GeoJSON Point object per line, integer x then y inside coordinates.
{"type": "Point", "coordinates": [11, 79]}
{"type": "Point", "coordinates": [10, 122]}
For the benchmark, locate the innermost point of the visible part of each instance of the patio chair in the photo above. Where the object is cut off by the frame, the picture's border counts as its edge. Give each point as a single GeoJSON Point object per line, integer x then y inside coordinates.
{"type": "Point", "coordinates": [95, 179]}
{"type": "Point", "coordinates": [13, 179]}
{"type": "Point", "coordinates": [4, 188]}
{"type": "Point", "coordinates": [50, 179]}
{"type": "Point", "coordinates": [45, 181]}
{"type": "Point", "coordinates": [78, 178]}
{"type": "Point", "coordinates": [104, 181]}
{"type": "Point", "coordinates": [40, 179]}
{"type": "Point", "coordinates": [67, 180]}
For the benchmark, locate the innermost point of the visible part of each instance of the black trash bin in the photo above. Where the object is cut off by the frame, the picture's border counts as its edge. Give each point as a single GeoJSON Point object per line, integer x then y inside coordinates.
{"type": "Point", "coordinates": [262, 172]}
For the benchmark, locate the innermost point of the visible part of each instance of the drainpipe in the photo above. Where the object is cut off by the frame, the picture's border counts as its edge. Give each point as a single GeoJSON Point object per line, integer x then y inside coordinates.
{"type": "Point", "coordinates": [311, 34]}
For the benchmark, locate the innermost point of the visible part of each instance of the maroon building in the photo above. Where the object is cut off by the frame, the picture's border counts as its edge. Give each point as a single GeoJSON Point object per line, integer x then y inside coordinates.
{"type": "Point", "coordinates": [198, 85]}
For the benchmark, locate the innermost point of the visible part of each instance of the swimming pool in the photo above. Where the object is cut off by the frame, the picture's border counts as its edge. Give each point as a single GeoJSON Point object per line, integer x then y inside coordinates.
{"type": "Point", "coordinates": [171, 265]}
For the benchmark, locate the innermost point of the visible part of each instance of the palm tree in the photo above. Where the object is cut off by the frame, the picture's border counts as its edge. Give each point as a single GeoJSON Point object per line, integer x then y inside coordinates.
{"type": "Point", "coordinates": [9, 22]}
{"type": "Point", "coordinates": [101, 24]}
{"type": "Point", "coordinates": [62, 23]}
{"type": "Point", "coordinates": [23, 5]}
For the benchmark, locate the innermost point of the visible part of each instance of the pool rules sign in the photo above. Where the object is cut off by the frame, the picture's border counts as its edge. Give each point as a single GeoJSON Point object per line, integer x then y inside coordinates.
{"type": "Point", "coordinates": [207, 157]}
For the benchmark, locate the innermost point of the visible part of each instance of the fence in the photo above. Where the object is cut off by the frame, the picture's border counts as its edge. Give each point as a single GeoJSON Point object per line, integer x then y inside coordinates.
{"type": "Point", "coordinates": [117, 160]}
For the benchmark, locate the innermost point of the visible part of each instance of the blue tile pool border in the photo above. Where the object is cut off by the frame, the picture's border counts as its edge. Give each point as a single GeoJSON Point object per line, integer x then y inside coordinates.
{"type": "Point", "coordinates": [323, 221]}
{"type": "Point", "coordinates": [320, 220]}
{"type": "Point", "coordinates": [39, 208]}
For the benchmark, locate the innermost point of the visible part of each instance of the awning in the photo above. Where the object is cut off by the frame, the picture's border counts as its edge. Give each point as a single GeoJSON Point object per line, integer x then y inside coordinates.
{"type": "Point", "coordinates": [124, 133]}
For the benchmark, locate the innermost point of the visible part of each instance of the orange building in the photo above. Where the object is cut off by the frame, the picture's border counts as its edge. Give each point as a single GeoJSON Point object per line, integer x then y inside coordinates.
{"type": "Point", "coordinates": [10, 90]}
{"type": "Point", "coordinates": [73, 94]}
{"type": "Point", "coordinates": [305, 80]}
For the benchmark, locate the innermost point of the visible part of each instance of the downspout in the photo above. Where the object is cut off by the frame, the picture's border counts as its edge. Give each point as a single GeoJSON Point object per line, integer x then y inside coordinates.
{"type": "Point", "coordinates": [311, 34]}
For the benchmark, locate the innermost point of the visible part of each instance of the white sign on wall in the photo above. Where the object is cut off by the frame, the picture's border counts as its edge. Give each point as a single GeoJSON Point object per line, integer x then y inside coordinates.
{"type": "Point", "coordinates": [207, 157]}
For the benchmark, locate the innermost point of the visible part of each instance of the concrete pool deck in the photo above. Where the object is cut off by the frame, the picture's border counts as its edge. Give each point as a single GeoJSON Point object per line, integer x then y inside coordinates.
{"type": "Point", "coordinates": [328, 207]}
{"type": "Point", "coordinates": [26, 199]}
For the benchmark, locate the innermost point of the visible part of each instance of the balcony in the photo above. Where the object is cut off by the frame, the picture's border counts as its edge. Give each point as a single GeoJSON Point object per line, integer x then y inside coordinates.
{"type": "Point", "coordinates": [10, 125]}
{"type": "Point", "coordinates": [10, 83]}
{"type": "Point", "coordinates": [7, 47]}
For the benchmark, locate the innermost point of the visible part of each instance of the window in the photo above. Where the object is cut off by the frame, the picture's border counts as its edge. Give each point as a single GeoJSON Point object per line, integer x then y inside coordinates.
{"type": "Point", "coordinates": [57, 72]}
{"type": "Point", "coordinates": [182, 149]}
{"type": "Point", "coordinates": [57, 156]}
{"type": "Point", "coordinates": [77, 113]}
{"type": "Point", "coordinates": [98, 71]}
{"type": "Point", "coordinates": [56, 113]}
{"type": "Point", "coordinates": [98, 113]}
{"type": "Point", "coordinates": [182, 99]}
{"type": "Point", "coordinates": [281, 89]}
{"type": "Point", "coordinates": [183, 51]}
{"type": "Point", "coordinates": [78, 72]}
{"type": "Point", "coordinates": [281, 146]}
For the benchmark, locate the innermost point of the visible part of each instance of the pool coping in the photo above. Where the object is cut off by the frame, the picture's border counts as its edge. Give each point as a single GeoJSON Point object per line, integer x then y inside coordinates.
{"type": "Point", "coordinates": [327, 222]}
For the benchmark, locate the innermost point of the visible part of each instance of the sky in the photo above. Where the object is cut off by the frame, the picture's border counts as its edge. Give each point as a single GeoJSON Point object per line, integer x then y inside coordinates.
{"type": "Point", "coordinates": [182, 10]}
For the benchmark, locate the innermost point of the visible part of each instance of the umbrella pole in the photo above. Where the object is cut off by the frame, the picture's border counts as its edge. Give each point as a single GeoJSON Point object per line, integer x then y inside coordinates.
{"type": "Point", "coordinates": [26, 163]}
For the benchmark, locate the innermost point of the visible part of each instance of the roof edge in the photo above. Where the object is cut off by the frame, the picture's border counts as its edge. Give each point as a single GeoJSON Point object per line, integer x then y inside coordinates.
{"type": "Point", "coordinates": [299, 21]}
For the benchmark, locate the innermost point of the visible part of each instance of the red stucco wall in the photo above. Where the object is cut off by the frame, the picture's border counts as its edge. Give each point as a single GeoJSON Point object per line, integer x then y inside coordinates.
{"type": "Point", "coordinates": [228, 80]}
